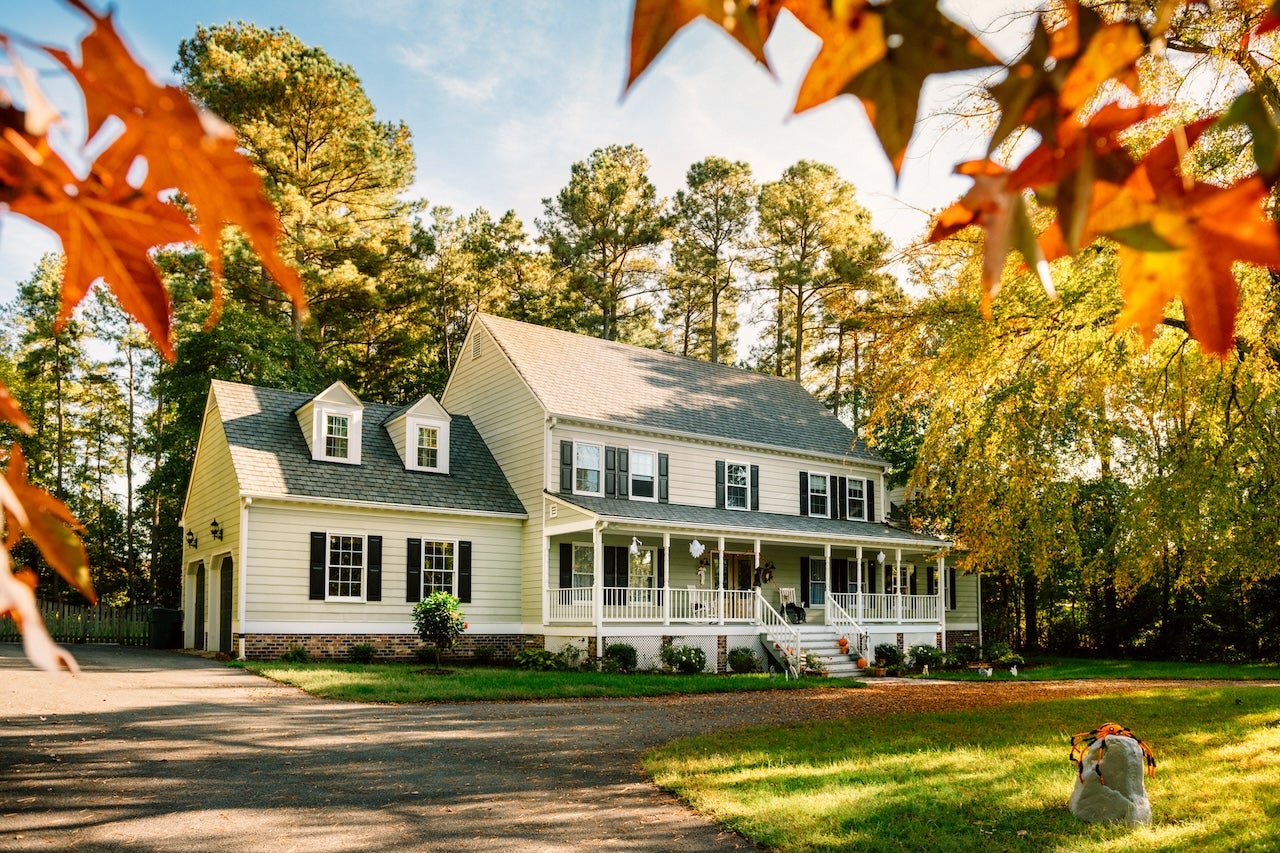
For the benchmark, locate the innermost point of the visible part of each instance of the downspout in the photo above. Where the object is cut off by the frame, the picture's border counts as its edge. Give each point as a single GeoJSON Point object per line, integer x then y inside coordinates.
{"type": "Point", "coordinates": [242, 563]}
{"type": "Point", "coordinates": [942, 598]}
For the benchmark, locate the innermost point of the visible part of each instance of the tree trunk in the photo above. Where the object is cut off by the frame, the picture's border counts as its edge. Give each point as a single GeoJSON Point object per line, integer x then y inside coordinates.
{"type": "Point", "coordinates": [1030, 610]}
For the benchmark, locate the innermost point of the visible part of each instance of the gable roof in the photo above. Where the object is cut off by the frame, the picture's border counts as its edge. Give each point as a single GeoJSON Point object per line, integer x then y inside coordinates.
{"type": "Point", "coordinates": [575, 376]}
{"type": "Point", "coordinates": [270, 456]}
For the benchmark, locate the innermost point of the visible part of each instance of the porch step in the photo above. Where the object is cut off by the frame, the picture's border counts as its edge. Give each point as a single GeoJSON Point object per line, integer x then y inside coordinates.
{"type": "Point", "coordinates": [822, 641]}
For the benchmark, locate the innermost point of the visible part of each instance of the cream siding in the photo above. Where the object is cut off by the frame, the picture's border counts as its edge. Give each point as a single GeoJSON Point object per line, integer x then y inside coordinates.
{"type": "Point", "coordinates": [396, 432]}
{"type": "Point", "coordinates": [509, 418]}
{"type": "Point", "coordinates": [212, 493]}
{"type": "Point", "coordinates": [279, 568]}
{"type": "Point", "coordinates": [965, 616]}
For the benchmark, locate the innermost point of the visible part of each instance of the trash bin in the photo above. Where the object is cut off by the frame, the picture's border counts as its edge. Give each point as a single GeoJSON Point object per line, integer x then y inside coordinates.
{"type": "Point", "coordinates": [166, 628]}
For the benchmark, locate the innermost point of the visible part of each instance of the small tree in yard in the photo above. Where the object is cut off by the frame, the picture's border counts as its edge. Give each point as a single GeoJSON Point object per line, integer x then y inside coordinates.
{"type": "Point", "coordinates": [438, 620]}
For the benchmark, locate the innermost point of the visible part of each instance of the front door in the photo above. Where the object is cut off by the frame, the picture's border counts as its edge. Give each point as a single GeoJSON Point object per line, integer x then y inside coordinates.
{"type": "Point", "coordinates": [198, 628]}
{"type": "Point", "coordinates": [224, 606]}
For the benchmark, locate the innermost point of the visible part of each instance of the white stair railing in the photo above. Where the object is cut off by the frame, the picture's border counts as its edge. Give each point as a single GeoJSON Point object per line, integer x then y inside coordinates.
{"type": "Point", "coordinates": [784, 636]}
{"type": "Point", "coordinates": [845, 625]}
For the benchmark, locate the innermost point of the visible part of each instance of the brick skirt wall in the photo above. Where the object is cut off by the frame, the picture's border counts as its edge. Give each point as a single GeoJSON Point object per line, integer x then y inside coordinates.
{"type": "Point", "coordinates": [954, 637]}
{"type": "Point", "coordinates": [389, 646]}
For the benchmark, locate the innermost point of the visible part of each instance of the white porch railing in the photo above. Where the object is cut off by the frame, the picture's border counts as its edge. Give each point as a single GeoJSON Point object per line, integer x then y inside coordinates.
{"type": "Point", "coordinates": [570, 605]}
{"type": "Point", "coordinates": [839, 619]}
{"type": "Point", "coordinates": [919, 608]}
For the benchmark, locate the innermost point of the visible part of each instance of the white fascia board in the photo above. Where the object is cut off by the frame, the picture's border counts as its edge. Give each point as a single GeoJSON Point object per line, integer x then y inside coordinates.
{"type": "Point", "coordinates": [768, 535]}
{"type": "Point", "coordinates": [379, 505]}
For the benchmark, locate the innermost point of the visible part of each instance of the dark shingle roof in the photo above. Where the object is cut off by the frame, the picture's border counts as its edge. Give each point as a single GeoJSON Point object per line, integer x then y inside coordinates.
{"type": "Point", "coordinates": [583, 377]}
{"type": "Point", "coordinates": [763, 522]}
{"type": "Point", "coordinates": [271, 457]}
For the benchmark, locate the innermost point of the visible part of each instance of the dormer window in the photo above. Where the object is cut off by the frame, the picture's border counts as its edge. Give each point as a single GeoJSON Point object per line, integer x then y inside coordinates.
{"type": "Point", "coordinates": [337, 436]}
{"type": "Point", "coordinates": [428, 447]}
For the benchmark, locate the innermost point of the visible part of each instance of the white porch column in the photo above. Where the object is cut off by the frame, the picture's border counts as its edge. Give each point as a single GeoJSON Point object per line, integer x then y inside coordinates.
{"type": "Point", "coordinates": [720, 580]}
{"type": "Point", "coordinates": [757, 573]}
{"type": "Point", "coordinates": [942, 599]}
{"type": "Point", "coordinates": [826, 558]}
{"type": "Point", "coordinates": [666, 579]}
{"type": "Point", "coordinates": [546, 579]}
{"type": "Point", "coordinates": [897, 580]}
{"type": "Point", "coordinates": [597, 586]}
{"type": "Point", "coordinates": [857, 602]}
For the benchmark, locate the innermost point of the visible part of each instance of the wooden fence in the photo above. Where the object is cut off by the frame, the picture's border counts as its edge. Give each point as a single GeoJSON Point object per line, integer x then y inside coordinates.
{"type": "Point", "coordinates": [79, 623]}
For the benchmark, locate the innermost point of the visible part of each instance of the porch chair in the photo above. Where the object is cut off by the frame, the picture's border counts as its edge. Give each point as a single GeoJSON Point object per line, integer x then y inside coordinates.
{"type": "Point", "coordinates": [699, 608]}
{"type": "Point", "coordinates": [791, 611]}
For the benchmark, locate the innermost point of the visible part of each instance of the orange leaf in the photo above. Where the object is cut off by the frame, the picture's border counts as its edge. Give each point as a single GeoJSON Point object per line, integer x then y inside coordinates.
{"type": "Point", "coordinates": [29, 579]}
{"type": "Point", "coordinates": [852, 41]}
{"type": "Point", "coordinates": [183, 146]}
{"type": "Point", "coordinates": [12, 412]}
{"type": "Point", "coordinates": [47, 522]}
{"type": "Point", "coordinates": [655, 22]}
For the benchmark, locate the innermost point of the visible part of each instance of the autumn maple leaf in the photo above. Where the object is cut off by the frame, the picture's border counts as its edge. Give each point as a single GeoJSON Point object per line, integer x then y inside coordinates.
{"type": "Point", "coordinates": [655, 22]}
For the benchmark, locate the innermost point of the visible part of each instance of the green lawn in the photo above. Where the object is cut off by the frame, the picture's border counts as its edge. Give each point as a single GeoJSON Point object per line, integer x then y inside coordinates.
{"type": "Point", "coordinates": [995, 779]}
{"type": "Point", "coordinates": [1061, 669]}
{"type": "Point", "coordinates": [401, 683]}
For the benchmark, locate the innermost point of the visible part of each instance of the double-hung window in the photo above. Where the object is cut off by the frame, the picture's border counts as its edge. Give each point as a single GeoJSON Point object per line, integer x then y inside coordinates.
{"type": "Point", "coordinates": [428, 447]}
{"type": "Point", "coordinates": [737, 485]}
{"type": "Point", "coordinates": [337, 436]}
{"type": "Point", "coordinates": [818, 497]}
{"type": "Point", "coordinates": [345, 569]}
{"type": "Point", "coordinates": [587, 463]}
{"type": "Point", "coordinates": [438, 567]}
{"type": "Point", "coordinates": [857, 499]}
{"type": "Point", "coordinates": [817, 581]}
{"type": "Point", "coordinates": [584, 569]}
{"type": "Point", "coordinates": [644, 471]}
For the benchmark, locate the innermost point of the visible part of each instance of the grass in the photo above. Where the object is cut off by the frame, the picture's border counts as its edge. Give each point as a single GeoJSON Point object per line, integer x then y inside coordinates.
{"type": "Point", "coordinates": [1063, 669]}
{"type": "Point", "coordinates": [995, 779]}
{"type": "Point", "coordinates": [407, 683]}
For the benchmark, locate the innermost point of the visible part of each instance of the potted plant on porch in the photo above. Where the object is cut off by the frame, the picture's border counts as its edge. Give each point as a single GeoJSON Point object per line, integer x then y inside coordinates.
{"type": "Point", "coordinates": [887, 655]}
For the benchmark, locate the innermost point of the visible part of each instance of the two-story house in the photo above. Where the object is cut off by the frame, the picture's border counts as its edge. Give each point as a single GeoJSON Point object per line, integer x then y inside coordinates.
{"type": "Point", "coordinates": [604, 493]}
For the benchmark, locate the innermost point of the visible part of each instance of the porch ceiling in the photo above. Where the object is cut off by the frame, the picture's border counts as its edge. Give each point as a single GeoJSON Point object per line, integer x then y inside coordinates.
{"type": "Point", "coordinates": [747, 524]}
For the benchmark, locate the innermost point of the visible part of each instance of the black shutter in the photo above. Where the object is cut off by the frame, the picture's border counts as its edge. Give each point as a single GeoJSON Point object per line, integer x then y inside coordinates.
{"type": "Point", "coordinates": [755, 488]}
{"type": "Point", "coordinates": [911, 582]}
{"type": "Point", "coordinates": [662, 478]}
{"type": "Point", "coordinates": [719, 484]}
{"type": "Point", "coordinates": [870, 576]}
{"type": "Point", "coordinates": [464, 572]}
{"type": "Point", "coordinates": [374, 573]}
{"type": "Point", "coordinates": [804, 493]}
{"type": "Point", "coordinates": [804, 579]}
{"type": "Point", "coordinates": [615, 574]}
{"type": "Point", "coordinates": [319, 544]}
{"type": "Point", "coordinates": [930, 581]}
{"type": "Point", "coordinates": [413, 570]}
{"type": "Point", "coordinates": [566, 565]}
{"type": "Point", "coordinates": [951, 589]}
{"type": "Point", "coordinates": [890, 585]}
{"type": "Point", "coordinates": [833, 483]}
{"type": "Point", "coordinates": [839, 574]}
{"type": "Point", "coordinates": [662, 573]}
{"type": "Point", "coordinates": [624, 473]}
{"type": "Point", "coordinates": [566, 467]}
{"type": "Point", "coordinates": [610, 472]}
{"type": "Point", "coordinates": [871, 500]}
{"type": "Point", "coordinates": [842, 498]}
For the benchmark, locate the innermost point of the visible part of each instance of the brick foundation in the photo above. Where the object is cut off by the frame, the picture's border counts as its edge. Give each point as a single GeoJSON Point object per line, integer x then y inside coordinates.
{"type": "Point", "coordinates": [722, 654]}
{"type": "Point", "coordinates": [954, 637]}
{"type": "Point", "coordinates": [389, 646]}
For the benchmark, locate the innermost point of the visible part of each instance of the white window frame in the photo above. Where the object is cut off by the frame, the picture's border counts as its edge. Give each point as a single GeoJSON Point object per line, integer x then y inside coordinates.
{"type": "Point", "coordinates": [588, 578]}
{"type": "Point", "coordinates": [632, 454]}
{"type": "Point", "coordinates": [453, 566]}
{"type": "Point", "coordinates": [825, 480]}
{"type": "Point", "coordinates": [329, 565]}
{"type": "Point", "coordinates": [817, 575]}
{"type": "Point", "coordinates": [320, 435]}
{"type": "Point", "coordinates": [861, 483]}
{"type": "Point", "coordinates": [412, 425]}
{"type": "Point", "coordinates": [745, 486]}
{"type": "Point", "coordinates": [599, 492]}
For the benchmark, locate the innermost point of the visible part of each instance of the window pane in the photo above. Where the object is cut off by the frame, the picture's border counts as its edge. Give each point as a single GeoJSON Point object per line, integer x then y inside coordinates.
{"type": "Point", "coordinates": [583, 566]}
{"type": "Point", "coordinates": [587, 468]}
{"type": "Point", "coordinates": [857, 509]}
{"type": "Point", "coordinates": [437, 567]}
{"type": "Point", "coordinates": [736, 486]}
{"type": "Point", "coordinates": [817, 581]}
{"type": "Point", "coordinates": [346, 566]}
{"type": "Point", "coordinates": [641, 573]}
{"type": "Point", "coordinates": [428, 447]}
{"type": "Point", "coordinates": [642, 468]}
{"type": "Point", "coordinates": [817, 494]}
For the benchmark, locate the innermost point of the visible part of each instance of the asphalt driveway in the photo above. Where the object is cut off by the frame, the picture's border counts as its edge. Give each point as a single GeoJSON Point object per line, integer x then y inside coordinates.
{"type": "Point", "coordinates": [149, 750]}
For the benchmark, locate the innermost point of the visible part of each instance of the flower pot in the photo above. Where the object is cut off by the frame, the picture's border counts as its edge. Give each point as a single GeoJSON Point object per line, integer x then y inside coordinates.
{"type": "Point", "coordinates": [880, 672]}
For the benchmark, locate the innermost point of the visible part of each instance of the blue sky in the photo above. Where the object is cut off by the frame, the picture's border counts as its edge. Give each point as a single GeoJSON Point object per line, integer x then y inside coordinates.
{"type": "Point", "coordinates": [503, 96]}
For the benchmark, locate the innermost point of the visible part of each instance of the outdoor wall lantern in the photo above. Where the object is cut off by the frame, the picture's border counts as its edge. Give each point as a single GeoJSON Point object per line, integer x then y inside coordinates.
{"type": "Point", "coordinates": [635, 547]}
{"type": "Point", "coordinates": [215, 530]}
{"type": "Point", "coordinates": [696, 548]}
{"type": "Point", "coordinates": [192, 541]}
{"type": "Point", "coordinates": [880, 557]}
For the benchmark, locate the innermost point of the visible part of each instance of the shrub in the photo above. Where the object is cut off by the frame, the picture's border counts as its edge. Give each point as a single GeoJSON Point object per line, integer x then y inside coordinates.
{"type": "Point", "coordinates": [743, 659]}
{"type": "Point", "coordinates": [486, 654]}
{"type": "Point", "coordinates": [930, 656]}
{"type": "Point", "coordinates": [887, 654]}
{"type": "Point", "coordinates": [296, 654]}
{"type": "Point", "coordinates": [813, 665]}
{"type": "Point", "coordinates": [362, 652]}
{"type": "Point", "coordinates": [686, 659]}
{"type": "Point", "coordinates": [964, 653]}
{"type": "Point", "coordinates": [424, 653]}
{"type": "Point", "coordinates": [569, 657]}
{"type": "Point", "coordinates": [438, 620]}
{"type": "Point", "coordinates": [537, 659]}
{"type": "Point", "coordinates": [619, 657]}
{"type": "Point", "coordinates": [1002, 654]}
